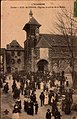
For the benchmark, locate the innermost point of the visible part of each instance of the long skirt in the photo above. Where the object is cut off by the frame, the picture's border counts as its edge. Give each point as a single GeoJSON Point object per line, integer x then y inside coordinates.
{"type": "Point", "coordinates": [46, 100]}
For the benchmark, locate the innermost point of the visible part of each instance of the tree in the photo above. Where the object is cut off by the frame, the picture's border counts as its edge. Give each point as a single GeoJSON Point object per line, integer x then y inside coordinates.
{"type": "Point", "coordinates": [67, 26]}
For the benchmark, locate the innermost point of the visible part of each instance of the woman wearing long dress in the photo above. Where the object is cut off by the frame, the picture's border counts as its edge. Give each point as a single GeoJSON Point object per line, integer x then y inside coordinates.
{"type": "Point", "coordinates": [46, 99]}
{"type": "Point", "coordinates": [48, 85]}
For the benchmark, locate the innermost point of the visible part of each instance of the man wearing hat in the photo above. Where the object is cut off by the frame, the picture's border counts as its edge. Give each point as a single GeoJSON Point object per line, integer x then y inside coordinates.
{"type": "Point", "coordinates": [48, 114]}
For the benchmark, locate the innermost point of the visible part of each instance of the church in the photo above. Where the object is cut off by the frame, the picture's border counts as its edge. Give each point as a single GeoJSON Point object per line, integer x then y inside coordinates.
{"type": "Point", "coordinates": [41, 52]}
{"type": "Point", "coordinates": [46, 52]}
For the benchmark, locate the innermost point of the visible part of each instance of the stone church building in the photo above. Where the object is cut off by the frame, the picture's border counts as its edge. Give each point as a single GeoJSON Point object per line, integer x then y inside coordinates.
{"type": "Point", "coordinates": [46, 52]}
{"type": "Point", "coordinates": [41, 52]}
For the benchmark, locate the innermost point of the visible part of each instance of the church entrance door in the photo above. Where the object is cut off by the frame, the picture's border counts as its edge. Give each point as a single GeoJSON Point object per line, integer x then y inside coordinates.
{"type": "Point", "coordinates": [42, 65]}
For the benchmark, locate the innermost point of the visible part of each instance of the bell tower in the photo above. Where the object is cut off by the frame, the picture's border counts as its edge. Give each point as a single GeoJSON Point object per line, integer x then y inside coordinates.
{"type": "Point", "coordinates": [32, 36]}
{"type": "Point", "coordinates": [32, 27]}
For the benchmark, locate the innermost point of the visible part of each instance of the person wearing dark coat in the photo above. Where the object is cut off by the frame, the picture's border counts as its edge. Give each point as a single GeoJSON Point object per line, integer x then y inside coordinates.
{"type": "Point", "coordinates": [4, 79]}
{"type": "Point", "coordinates": [36, 107]}
{"type": "Point", "coordinates": [67, 83]}
{"type": "Point", "coordinates": [56, 97]}
{"type": "Point", "coordinates": [42, 98]}
{"type": "Point", "coordinates": [19, 105]}
{"type": "Point", "coordinates": [30, 108]}
{"type": "Point", "coordinates": [16, 109]}
{"type": "Point", "coordinates": [34, 98]}
{"type": "Point", "coordinates": [31, 97]}
{"type": "Point", "coordinates": [13, 86]}
{"type": "Point", "coordinates": [6, 88]}
{"type": "Point", "coordinates": [54, 107]}
{"type": "Point", "coordinates": [57, 114]}
{"type": "Point", "coordinates": [25, 92]}
{"type": "Point", "coordinates": [50, 95]}
{"type": "Point", "coordinates": [16, 93]}
{"type": "Point", "coordinates": [26, 104]}
{"type": "Point", "coordinates": [48, 114]}
{"type": "Point", "coordinates": [68, 106]}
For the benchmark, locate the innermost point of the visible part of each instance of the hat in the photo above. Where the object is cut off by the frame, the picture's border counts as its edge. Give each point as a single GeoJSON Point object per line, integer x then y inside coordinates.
{"type": "Point", "coordinates": [74, 117]}
{"type": "Point", "coordinates": [48, 110]}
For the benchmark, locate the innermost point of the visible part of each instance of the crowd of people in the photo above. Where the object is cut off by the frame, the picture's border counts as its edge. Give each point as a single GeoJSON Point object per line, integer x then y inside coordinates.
{"type": "Point", "coordinates": [51, 92]}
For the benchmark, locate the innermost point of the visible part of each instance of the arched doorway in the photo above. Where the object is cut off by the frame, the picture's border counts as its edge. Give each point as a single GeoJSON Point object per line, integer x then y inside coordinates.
{"type": "Point", "coordinates": [42, 65]}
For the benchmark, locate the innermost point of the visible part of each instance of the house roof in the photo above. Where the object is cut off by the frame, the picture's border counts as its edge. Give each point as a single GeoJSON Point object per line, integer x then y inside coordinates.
{"type": "Point", "coordinates": [14, 45]}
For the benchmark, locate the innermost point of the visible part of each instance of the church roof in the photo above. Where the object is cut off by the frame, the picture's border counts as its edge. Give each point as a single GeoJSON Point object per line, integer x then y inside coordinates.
{"type": "Point", "coordinates": [56, 40]}
{"type": "Point", "coordinates": [52, 41]}
{"type": "Point", "coordinates": [43, 43]}
{"type": "Point", "coordinates": [14, 45]}
{"type": "Point", "coordinates": [33, 21]}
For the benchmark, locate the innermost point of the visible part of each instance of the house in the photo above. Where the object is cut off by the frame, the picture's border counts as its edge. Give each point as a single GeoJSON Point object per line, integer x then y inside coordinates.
{"type": "Point", "coordinates": [14, 57]}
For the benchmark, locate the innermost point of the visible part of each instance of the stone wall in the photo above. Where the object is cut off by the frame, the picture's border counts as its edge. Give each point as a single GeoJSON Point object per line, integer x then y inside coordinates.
{"type": "Point", "coordinates": [15, 62]}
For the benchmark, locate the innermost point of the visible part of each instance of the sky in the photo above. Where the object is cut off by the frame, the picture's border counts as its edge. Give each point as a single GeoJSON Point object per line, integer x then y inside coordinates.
{"type": "Point", "coordinates": [15, 14]}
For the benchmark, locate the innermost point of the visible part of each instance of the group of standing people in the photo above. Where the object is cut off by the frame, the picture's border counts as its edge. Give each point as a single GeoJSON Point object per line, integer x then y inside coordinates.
{"type": "Point", "coordinates": [49, 114]}
{"type": "Point", "coordinates": [48, 96]}
{"type": "Point", "coordinates": [30, 107]}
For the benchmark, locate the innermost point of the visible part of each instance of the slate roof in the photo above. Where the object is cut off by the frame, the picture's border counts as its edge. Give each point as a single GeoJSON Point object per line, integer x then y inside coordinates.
{"type": "Point", "coordinates": [32, 21]}
{"type": "Point", "coordinates": [14, 45]}
{"type": "Point", "coordinates": [56, 40]}
{"type": "Point", "coordinates": [51, 40]}
{"type": "Point", "coordinates": [43, 43]}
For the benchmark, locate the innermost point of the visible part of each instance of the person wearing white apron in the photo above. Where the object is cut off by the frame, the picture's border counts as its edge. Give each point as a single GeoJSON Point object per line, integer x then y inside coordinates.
{"type": "Point", "coordinates": [42, 85]}
{"type": "Point", "coordinates": [46, 99]}
{"type": "Point", "coordinates": [18, 84]}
